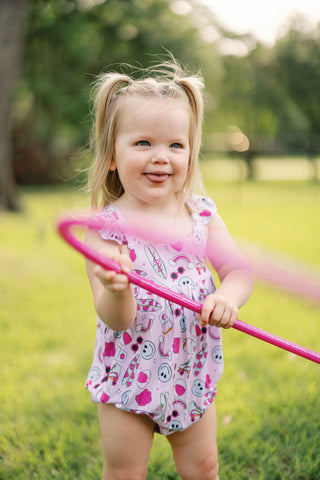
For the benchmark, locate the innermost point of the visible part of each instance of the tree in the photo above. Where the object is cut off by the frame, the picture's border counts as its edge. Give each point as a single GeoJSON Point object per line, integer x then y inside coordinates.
{"type": "Point", "coordinates": [68, 42]}
{"type": "Point", "coordinates": [272, 93]}
{"type": "Point", "coordinates": [13, 14]}
{"type": "Point", "coordinates": [297, 67]}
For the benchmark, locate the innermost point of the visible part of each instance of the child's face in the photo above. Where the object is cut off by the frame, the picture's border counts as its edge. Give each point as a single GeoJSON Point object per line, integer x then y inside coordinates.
{"type": "Point", "coordinates": [152, 149]}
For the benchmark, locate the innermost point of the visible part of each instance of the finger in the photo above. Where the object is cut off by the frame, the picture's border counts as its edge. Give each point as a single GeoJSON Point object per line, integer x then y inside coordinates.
{"type": "Point", "coordinates": [125, 263]}
{"type": "Point", "coordinates": [225, 319]}
{"type": "Point", "coordinates": [105, 276]}
{"type": "Point", "coordinates": [119, 283]}
{"type": "Point", "coordinates": [229, 317]}
{"type": "Point", "coordinates": [114, 282]}
{"type": "Point", "coordinates": [233, 316]}
{"type": "Point", "coordinates": [217, 315]}
{"type": "Point", "coordinates": [124, 259]}
{"type": "Point", "coordinates": [111, 279]}
{"type": "Point", "coordinates": [206, 311]}
{"type": "Point", "coordinates": [201, 320]}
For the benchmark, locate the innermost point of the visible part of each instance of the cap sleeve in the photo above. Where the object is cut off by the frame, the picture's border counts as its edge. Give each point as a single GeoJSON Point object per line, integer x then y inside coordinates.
{"type": "Point", "coordinates": [203, 209]}
{"type": "Point", "coordinates": [112, 225]}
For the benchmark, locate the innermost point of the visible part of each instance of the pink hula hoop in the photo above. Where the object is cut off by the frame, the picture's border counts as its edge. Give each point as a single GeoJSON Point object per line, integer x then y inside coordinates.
{"type": "Point", "coordinates": [97, 223]}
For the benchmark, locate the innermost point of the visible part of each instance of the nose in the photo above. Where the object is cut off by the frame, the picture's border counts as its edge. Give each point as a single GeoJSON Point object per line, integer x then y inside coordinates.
{"type": "Point", "coordinates": [160, 155]}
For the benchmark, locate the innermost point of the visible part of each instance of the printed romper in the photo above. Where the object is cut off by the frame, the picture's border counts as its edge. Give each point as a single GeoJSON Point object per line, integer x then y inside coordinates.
{"type": "Point", "coordinates": [165, 366]}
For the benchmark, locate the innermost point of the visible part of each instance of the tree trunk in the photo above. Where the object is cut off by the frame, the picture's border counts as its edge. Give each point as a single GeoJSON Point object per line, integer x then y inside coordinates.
{"type": "Point", "coordinates": [13, 16]}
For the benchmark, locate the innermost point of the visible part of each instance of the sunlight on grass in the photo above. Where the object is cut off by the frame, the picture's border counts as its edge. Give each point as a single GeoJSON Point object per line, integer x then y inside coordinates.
{"type": "Point", "coordinates": [283, 216]}
{"type": "Point", "coordinates": [268, 400]}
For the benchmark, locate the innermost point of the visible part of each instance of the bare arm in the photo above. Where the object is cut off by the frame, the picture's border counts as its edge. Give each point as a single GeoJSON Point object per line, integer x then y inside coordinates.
{"type": "Point", "coordinates": [221, 308]}
{"type": "Point", "coordinates": [114, 300]}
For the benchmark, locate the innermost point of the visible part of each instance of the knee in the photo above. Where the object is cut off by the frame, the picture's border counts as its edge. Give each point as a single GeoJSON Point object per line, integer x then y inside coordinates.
{"type": "Point", "coordinates": [209, 468]}
{"type": "Point", "coordinates": [205, 469]}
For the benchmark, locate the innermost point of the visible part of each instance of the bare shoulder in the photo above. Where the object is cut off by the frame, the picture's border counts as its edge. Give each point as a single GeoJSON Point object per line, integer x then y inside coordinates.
{"type": "Point", "coordinates": [95, 240]}
{"type": "Point", "coordinates": [217, 226]}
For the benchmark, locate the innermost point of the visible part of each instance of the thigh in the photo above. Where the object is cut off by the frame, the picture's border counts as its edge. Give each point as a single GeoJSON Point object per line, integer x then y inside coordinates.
{"type": "Point", "coordinates": [126, 441]}
{"type": "Point", "coordinates": [195, 449]}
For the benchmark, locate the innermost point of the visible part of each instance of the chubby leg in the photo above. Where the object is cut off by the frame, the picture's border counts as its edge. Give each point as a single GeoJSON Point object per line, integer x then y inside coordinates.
{"type": "Point", "coordinates": [126, 441]}
{"type": "Point", "coordinates": [195, 449]}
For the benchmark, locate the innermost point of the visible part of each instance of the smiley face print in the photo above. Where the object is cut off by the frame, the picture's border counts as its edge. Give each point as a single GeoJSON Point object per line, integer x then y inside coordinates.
{"type": "Point", "coordinates": [164, 372]}
{"type": "Point", "coordinates": [148, 350]}
{"type": "Point", "coordinates": [217, 355]}
{"type": "Point", "coordinates": [198, 388]}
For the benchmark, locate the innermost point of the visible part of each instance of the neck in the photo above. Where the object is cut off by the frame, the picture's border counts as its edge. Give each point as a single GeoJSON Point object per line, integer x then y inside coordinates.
{"type": "Point", "coordinates": [170, 208]}
{"type": "Point", "coordinates": [158, 223]}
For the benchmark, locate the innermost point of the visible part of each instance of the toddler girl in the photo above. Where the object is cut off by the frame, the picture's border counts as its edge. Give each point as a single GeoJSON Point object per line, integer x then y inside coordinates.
{"type": "Point", "coordinates": [156, 365]}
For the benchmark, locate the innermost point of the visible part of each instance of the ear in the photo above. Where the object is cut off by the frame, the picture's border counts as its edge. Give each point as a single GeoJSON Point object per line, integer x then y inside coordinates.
{"type": "Point", "coordinates": [113, 165]}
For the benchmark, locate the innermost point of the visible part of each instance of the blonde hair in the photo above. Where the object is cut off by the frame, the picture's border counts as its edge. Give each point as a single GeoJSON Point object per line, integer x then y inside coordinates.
{"type": "Point", "coordinates": [111, 89]}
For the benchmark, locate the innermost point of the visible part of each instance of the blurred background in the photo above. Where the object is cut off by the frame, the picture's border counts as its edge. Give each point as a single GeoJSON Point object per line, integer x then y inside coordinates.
{"type": "Point", "coordinates": [260, 163]}
{"type": "Point", "coordinates": [262, 82]}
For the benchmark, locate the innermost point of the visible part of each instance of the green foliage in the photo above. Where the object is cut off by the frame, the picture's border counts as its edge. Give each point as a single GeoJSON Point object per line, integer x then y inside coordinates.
{"type": "Point", "coordinates": [271, 93]}
{"type": "Point", "coordinates": [298, 69]}
{"type": "Point", "coordinates": [68, 43]}
{"type": "Point", "coordinates": [267, 402]}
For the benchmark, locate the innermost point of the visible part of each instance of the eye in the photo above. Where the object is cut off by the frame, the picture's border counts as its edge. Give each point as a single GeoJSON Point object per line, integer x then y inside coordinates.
{"type": "Point", "coordinates": [143, 143]}
{"type": "Point", "coordinates": [176, 145]}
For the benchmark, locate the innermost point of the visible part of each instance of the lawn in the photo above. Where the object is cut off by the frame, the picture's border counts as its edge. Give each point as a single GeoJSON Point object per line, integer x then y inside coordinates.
{"type": "Point", "coordinates": [268, 401]}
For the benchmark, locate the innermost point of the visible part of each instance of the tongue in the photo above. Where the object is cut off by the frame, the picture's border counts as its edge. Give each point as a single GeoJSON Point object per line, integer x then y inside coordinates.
{"type": "Point", "coordinates": [154, 177]}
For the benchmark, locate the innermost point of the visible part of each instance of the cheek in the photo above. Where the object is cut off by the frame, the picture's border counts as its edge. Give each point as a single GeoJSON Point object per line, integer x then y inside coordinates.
{"type": "Point", "coordinates": [129, 169]}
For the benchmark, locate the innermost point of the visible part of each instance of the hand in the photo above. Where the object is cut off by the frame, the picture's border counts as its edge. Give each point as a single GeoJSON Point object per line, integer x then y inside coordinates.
{"type": "Point", "coordinates": [115, 282]}
{"type": "Point", "coordinates": [217, 310]}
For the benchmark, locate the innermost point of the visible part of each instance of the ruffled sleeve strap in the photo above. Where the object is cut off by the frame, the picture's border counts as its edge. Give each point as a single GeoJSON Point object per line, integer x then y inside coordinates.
{"type": "Point", "coordinates": [203, 209]}
{"type": "Point", "coordinates": [112, 225]}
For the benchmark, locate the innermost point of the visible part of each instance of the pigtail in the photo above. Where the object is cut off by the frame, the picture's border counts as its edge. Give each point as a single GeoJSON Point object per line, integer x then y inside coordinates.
{"type": "Point", "coordinates": [106, 90]}
{"type": "Point", "coordinates": [107, 87]}
{"type": "Point", "coordinates": [192, 87]}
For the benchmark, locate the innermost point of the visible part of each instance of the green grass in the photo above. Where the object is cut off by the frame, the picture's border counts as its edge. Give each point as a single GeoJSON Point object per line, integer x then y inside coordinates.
{"type": "Point", "coordinates": [268, 401]}
{"type": "Point", "coordinates": [283, 216]}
